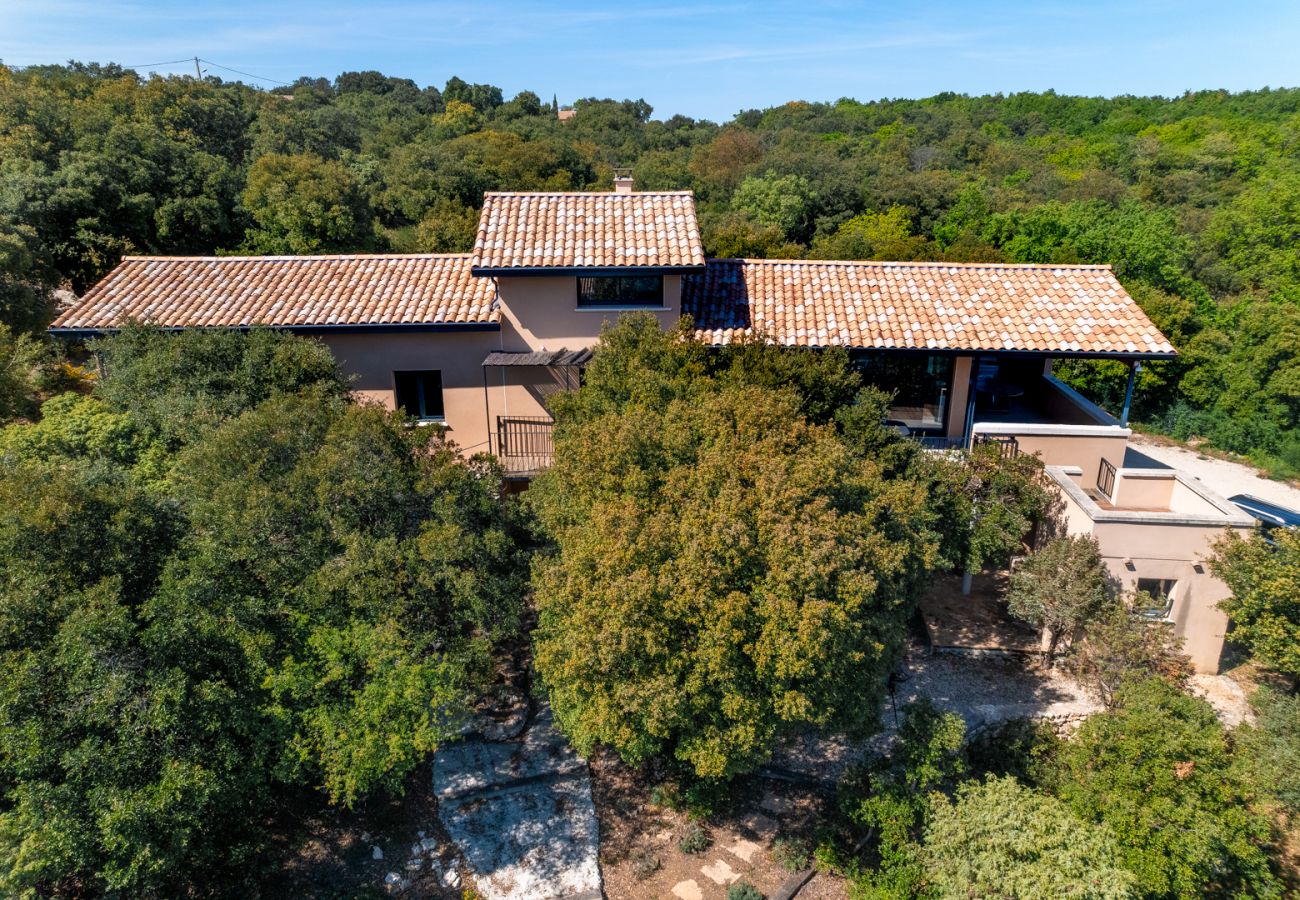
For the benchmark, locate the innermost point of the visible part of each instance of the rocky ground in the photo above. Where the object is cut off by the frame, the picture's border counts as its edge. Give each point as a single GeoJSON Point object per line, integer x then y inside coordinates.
{"type": "Point", "coordinates": [983, 690]}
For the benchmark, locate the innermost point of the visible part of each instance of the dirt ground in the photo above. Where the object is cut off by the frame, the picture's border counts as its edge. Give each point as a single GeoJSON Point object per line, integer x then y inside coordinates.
{"type": "Point", "coordinates": [330, 853]}
{"type": "Point", "coordinates": [978, 621]}
{"type": "Point", "coordinates": [639, 853]}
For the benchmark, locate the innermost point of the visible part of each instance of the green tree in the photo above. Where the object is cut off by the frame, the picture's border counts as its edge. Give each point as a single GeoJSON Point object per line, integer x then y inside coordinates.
{"type": "Point", "coordinates": [1000, 839]}
{"type": "Point", "coordinates": [1118, 646]}
{"type": "Point", "coordinates": [75, 426]}
{"type": "Point", "coordinates": [874, 235]}
{"type": "Point", "coordinates": [1158, 771]}
{"type": "Point", "coordinates": [983, 504]}
{"type": "Point", "coordinates": [824, 380]}
{"type": "Point", "coordinates": [722, 571]}
{"type": "Point", "coordinates": [1269, 747]}
{"type": "Point", "coordinates": [297, 593]}
{"type": "Point", "coordinates": [447, 228]}
{"type": "Point", "coordinates": [396, 570]}
{"type": "Point", "coordinates": [1255, 234]}
{"type": "Point", "coordinates": [130, 763]}
{"type": "Point", "coordinates": [1061, 588]}
{"type": "Point", "coordinates": [177, 386]}
{"type": "Point", "coordinates": [301, 203]}
{"type": "Point", "coordinates": [1263, 574]}
{"type": "Point", "coordinates": [781, 201]}
{"type": "Point", "coordinates": [738, 236]}
{"type": "Point", "coordinates": [24, 369]}
{"type": "Point", "coordinates": [25, 301]}
{"type": "Point", "coordinates": [891, 798]}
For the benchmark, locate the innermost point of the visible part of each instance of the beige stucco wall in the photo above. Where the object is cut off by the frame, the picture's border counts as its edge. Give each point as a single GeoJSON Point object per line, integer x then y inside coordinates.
{"type": "Point", "coordinates": [1173, 551]}
{"type": "Point", "coordinates": [1166, 550]}
{"type": "Point", "coordinates": [371, 359]}
{"type": "Point", "coordinates": [541, 312]}
{"type": "Point", "coordinates": [1084, 449]}
{"type": "Point", "coordinates": [1146, 491]}
{"type": "Point", "coordinates": [538, 313]}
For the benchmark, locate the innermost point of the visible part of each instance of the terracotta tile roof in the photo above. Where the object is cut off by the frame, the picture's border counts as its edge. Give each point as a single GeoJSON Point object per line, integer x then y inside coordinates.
{"type": "Point", "coordinates": [942, 306]}
{"type": "Point", "coordinates": [590, 230]}
{"type": "Point", "coordinates": [286, 291]}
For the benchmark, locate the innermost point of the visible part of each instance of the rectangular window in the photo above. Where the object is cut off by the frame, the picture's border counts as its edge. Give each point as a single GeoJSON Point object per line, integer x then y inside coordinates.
{"type": "Point", "coordinates": [621, 290]}
{"type": "Point", "coordinates": [419, 394]}
{"type": "Point", "coordinates": [920, 383]}
{"type": "Point", "coordinates": [1155, 597]}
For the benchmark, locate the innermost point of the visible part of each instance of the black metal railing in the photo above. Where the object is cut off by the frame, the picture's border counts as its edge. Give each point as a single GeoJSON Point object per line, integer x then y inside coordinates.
{"type": "Point", "coordinates": [1008, 446]}
{"type": "Point", "coordinates": [938, 442]}
{"type": "Point", "coordinates": [1106, 479]}
{"type": "Point", "coordinates": [523, 444]}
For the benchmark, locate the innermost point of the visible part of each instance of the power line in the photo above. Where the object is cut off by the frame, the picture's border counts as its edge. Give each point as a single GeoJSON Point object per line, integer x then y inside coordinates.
{"type": "Point", "coordinates": [245, 74]}
{"type": "Point", "coordinates": [170, 62]}
{"type": "Point", "coordinates": [189, 59]}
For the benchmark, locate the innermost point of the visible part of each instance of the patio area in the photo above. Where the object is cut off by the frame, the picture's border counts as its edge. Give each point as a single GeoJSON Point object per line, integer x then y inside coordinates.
{"type": "Point", "coordinates": [978, 622]}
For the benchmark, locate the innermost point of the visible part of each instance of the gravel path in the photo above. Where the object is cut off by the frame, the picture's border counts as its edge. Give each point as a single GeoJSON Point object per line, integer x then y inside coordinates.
{"type": "Point", "coordinates": [1223, 477]}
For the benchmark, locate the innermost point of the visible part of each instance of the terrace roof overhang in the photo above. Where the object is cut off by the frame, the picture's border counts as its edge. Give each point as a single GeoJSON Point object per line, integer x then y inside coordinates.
{"type": "Point", "coordinates": [1121, 355]}
{"type": "Point", "coordinates": [547, 358]}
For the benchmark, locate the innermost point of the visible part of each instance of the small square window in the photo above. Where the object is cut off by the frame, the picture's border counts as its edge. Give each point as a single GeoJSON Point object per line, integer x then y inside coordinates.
{"type": "Point", "coordinates": [1155, 597]}
{"type": "Point", "coordinates": [419, 394]}
{"type": "Point", "coordinates": [621, 290]}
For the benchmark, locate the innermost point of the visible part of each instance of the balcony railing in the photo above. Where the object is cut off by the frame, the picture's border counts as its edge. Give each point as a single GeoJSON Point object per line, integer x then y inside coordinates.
{"type": "Point", "coordinates": [523, 444]}
{"type": "Point", "coordinates": [938, 442]}
{"type": "Point", "coordinates": [1106, 479]}
{"type": "Point", "coordinates": [1008, 446]}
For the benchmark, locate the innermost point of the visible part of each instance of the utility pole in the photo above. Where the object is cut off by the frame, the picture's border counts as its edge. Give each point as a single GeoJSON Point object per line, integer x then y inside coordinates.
{"type": "Point", "coordinates": [198, 73]}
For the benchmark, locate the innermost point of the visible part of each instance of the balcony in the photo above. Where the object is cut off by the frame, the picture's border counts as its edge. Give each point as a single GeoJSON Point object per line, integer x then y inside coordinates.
{"type": "Point", "coordinates": [523, 444]}
{"type": "Point", "coordinates": [1044, 416]}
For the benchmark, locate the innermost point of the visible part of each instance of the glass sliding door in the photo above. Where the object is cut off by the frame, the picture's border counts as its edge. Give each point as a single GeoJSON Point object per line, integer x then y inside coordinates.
{"type": "Point", "coordinates": [920, 382]}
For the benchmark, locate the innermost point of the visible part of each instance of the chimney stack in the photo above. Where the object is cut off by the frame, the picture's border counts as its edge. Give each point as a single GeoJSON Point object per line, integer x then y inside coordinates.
{"type": "Point", "coordinates": [622, 181]}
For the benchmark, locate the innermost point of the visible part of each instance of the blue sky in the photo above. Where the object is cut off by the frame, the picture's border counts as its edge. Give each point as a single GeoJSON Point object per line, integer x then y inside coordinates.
{"type": "Point", "coordinates": [705, 59]}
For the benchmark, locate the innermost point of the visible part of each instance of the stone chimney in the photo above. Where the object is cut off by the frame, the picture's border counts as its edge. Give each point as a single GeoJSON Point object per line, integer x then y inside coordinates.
{"type": "Point", "coordinates": [622, 181]}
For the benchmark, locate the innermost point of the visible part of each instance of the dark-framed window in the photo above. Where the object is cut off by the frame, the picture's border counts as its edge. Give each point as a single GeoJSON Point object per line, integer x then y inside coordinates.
{"type": "Point", "coordinates": [920, 382]}
{"type": "Point", "coordinates": [419, 394]}
{"type": "Point", "coordinates": [1155, 597]}
{"type": "Point", "coordinates": [620, 290]}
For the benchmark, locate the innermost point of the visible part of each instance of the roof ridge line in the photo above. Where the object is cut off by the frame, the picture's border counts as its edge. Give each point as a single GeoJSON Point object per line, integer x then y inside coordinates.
{"type": "Point", "coordinates": [686, 193]}
{"type": "Point", "coordinates": [931, 264]}
{"type": "Point", "coordinates": [294, 257]}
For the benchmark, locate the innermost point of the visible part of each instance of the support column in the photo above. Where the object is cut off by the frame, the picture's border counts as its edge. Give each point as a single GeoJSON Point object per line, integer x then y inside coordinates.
{"type": "Point", "coordinates": [1133, 368]}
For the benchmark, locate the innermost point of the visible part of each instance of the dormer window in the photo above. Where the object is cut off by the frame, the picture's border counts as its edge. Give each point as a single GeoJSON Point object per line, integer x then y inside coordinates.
{"type": "Point", "coordinates": [618, 291]}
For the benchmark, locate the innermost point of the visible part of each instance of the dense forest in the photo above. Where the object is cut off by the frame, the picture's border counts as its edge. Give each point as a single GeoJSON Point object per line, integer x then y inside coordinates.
{"type": "Point", "coordinates": [1194, 200]}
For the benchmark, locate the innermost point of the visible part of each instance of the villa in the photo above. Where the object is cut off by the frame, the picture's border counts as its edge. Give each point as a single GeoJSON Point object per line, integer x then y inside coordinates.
{"type": "Point", "coordinates": [477, 342]}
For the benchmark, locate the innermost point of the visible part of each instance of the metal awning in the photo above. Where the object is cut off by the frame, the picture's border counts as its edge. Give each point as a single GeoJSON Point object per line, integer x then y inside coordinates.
{"type": "Point", "coordinates": [559, 357]}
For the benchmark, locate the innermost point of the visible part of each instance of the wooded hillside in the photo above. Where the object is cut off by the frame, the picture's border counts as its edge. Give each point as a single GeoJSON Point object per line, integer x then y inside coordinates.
{"type": "Point", "coordinates": [1195, 200]}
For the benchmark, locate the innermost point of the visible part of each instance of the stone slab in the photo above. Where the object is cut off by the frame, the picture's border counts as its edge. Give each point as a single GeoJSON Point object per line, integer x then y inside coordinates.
{"type": "Point", "coordinates": [688, 890]}
{"type": "Point", "coordinates": [720, 872]}
{"type": "Point", "coordinates": [521, 814]}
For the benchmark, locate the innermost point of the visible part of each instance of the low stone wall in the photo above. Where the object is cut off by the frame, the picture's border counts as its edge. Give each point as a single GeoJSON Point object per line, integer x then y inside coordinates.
{"type": "Point", "coordinates": [1064, 723]}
